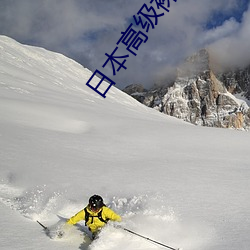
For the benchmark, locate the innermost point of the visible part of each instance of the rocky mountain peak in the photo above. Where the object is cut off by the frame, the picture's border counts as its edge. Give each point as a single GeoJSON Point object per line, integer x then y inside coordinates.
{"type": "Point", "coordinates": [202, 97]}
{"type": "Point", "coordinates": [197, 64]}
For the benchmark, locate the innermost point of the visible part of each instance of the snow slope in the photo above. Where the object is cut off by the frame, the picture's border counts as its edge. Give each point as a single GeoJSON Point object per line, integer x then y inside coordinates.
{"type": "Point", "coordinates": [179, 184]}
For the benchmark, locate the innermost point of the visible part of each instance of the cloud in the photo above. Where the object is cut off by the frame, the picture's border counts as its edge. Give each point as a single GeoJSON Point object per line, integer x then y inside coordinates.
{"type": "Point", "coordinates": [87, 29]}
{"type": "Point", "coordinates": [226, 29]}
{"type": "Point", "coordinates": [233, 49]}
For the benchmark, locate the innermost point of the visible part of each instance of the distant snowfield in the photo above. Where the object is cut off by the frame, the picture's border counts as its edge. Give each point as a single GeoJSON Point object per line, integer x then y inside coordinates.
{"type": "Point", "coordinates": [60, 142]}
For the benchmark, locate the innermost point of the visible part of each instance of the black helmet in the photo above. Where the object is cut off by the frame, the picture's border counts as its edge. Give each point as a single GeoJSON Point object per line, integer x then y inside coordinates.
{"type": "Point", "coordinates": [96, 202]}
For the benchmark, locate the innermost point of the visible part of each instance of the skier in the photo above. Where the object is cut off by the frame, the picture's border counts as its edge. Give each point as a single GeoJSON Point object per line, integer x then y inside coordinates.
{"type": "Point", "coordinates": [95, 214]}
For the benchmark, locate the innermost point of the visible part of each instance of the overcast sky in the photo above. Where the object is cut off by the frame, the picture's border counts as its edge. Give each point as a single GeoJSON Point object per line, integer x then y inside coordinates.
{"type": "Point", "coordinates": [87, 29]}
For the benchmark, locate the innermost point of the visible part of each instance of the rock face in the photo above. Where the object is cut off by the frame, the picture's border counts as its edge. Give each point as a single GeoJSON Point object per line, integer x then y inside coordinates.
{"type": "Point", "coordinates": [137, 91]}
{"type": "Point", "coordinates": [237, 81]}
{"type": "Point", "coordinates": [201, 97]}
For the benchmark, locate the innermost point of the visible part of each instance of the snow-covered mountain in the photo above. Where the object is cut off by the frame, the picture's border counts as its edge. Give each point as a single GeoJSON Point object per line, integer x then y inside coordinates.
{"type": "Point", "coordinates": [182, 185]}
{"type": "Point", "coordinates": [201, 96]}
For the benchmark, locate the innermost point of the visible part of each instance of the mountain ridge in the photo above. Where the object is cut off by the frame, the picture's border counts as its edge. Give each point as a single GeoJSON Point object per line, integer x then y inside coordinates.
{"type": "Point", "coordinates": [201, 95]}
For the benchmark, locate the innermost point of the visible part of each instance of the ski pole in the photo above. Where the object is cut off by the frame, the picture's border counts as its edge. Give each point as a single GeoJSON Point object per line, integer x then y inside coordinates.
{"type": "Point", "coordinates": [45, 228]}
{"type": "Point", "coordinates": [146, 238]}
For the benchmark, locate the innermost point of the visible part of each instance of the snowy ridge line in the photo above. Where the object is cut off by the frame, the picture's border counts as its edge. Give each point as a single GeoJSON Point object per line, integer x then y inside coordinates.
{"type": "Point", "coordinates": [38, 72]}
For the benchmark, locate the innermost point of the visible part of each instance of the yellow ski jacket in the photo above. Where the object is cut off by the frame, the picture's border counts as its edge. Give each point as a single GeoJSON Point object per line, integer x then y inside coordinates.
{"type": "Point", "coordinates": [94, 223]}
